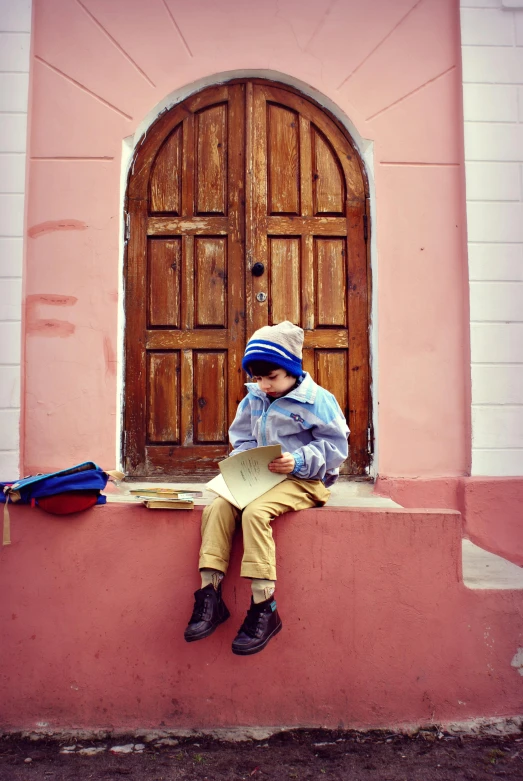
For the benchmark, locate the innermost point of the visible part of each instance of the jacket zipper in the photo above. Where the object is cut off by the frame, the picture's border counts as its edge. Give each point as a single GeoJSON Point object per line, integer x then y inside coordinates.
{"type": "Point", "coordinates": [263, 422]}
{"type": "Point", "coordinates": [263, 427]}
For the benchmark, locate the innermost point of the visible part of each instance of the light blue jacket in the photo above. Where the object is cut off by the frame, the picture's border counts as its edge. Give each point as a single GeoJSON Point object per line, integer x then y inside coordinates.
{"type": "Point", "coordinates": [307, 422]}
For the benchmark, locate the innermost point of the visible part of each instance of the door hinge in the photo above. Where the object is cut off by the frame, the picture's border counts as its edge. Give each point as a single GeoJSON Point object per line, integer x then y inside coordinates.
{"type": "Point", "coordinates": [369, 440]}
{"type": "Point", "coordinates": [127, 231]}
{"type": "Point", "coordinates": [365, 227]}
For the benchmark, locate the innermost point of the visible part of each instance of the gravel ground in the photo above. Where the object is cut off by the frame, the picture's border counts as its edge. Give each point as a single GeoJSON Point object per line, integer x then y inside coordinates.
{"type": "Point", "coordinates": [427, 755]}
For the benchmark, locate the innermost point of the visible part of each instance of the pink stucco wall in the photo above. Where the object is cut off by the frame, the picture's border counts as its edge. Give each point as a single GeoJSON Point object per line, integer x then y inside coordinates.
{"type": "Point", "coordinates": [390, 66]}
{"type": "Point", "coordinates": [382, 630]}
{"type": "Point", "coordinates": [379, 629]}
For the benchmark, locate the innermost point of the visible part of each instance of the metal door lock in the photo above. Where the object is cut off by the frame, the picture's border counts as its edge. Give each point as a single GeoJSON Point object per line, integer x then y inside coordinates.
{"type": "Point", "coordinates": [261, 297]}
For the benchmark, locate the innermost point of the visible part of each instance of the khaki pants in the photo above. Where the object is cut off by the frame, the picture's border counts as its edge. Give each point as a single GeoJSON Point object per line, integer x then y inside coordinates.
{"type": "Point", "coordinates": [219, 521]}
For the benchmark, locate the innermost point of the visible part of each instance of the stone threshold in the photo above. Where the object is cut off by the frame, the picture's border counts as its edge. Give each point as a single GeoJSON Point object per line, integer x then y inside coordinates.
{"type": "Point", "coordinates": [343, 493]}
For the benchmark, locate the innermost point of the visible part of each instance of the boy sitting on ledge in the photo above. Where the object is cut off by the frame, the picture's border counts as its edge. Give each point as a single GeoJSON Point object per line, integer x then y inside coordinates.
{"type": "Point", "coordinates": [283, 406]}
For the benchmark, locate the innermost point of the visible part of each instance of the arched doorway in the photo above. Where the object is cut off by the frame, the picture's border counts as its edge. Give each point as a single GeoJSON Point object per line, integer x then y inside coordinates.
{"type": "Point", "coordinates": [244, 173]}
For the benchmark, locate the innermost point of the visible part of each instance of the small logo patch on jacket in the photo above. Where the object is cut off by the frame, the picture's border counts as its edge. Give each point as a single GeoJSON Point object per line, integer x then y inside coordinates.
{"type": "Point", "coordinates": [297, 418]}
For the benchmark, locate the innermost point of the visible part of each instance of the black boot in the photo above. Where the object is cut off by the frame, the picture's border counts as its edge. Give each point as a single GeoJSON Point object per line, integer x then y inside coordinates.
{"type": "Point", "coordinates": [261, 623]}
{"type": "Point", "coordinates": [208, 613]}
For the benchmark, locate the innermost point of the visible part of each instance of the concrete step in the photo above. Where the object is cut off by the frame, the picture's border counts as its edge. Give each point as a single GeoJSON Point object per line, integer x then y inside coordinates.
{"type": "Point", "coordinates": [485, 570]}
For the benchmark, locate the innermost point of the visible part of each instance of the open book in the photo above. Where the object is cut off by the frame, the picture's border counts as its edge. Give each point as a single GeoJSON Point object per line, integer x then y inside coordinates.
{"type": "Point", "coordinates": [246, 476]}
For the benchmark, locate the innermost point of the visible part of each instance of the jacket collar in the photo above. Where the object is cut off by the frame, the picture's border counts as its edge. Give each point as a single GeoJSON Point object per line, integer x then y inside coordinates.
{"type": "Point", "coordinates": [305, 391]}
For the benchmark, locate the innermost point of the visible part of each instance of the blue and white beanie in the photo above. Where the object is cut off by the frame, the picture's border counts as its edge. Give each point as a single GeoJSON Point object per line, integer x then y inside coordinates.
{"type": "Point", "coordinates": [281, 344]}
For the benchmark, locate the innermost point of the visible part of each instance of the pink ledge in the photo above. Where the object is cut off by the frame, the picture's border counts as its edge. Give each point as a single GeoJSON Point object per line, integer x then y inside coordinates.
{"type": "Point", "coordinates": [492, 507]}
{"type": "Point", "coordinates": [379, 629]}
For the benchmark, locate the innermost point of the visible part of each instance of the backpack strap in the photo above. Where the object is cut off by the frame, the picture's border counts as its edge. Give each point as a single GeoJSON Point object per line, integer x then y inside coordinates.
{"type": "Point", "coordinates": [10, 496]}
{"type": "Point", "coordinates": [6, 536]}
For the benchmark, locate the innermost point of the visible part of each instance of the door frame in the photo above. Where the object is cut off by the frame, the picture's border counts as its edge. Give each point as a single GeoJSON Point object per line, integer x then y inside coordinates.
{"type": "Point", "coordinates": [363, 148]}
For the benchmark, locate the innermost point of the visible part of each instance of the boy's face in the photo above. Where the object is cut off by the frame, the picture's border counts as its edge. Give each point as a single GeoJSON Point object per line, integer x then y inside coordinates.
{"type": "Point", "coordinates": [275, 384]}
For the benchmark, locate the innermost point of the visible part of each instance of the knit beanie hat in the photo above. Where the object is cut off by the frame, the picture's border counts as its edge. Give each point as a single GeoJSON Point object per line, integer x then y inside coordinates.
{"type": "Point", "coordinates": [280, 344]}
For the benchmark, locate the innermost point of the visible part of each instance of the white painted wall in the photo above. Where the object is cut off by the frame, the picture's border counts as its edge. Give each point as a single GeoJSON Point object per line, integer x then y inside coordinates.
{"type": "Point", "coordinates": [15, 35]}
{"type": "Point", "coordinates": [492, 49]}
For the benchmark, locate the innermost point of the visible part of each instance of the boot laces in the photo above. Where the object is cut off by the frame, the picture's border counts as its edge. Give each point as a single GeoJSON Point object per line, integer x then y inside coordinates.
{"type": "Point", "coordinates": [200, 606]}
{"type": "Point", "coordinates": [251, 622]}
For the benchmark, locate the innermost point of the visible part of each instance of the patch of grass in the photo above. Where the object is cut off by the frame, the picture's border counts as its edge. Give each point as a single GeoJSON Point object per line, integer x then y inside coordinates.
{"type": "Point", "coordinates": [495, 754]}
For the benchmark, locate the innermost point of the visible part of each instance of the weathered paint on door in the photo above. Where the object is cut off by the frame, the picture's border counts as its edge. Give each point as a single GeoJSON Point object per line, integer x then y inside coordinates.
{"type": "Point", "coordinates": [242, 173]}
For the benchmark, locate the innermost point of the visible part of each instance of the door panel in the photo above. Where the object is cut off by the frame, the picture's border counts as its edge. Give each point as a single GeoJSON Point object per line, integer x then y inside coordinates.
{"type": "Point", "coordinates": [210, 281]}
{"type": "Point", "coordinates": [166, 180]}
{"type": "Point", "coordinates": [164, 263]}
{"type": "Point", "coordinates": [331, 282]}
{"type": "Point", "coordinates": [282, 160]}
{"type": "Point", "coordinates": [163, 415]}
{"type": "Point", "coordinates": [185, 258]}
{"type": "Point", "coordinates": [318, 204]}
{"type": "Point", "coordinates": [284, 259]}
{"type": "Point", "coordinates": [328, 186]}
{"type": "Point", "coordinates": [240, 173]}
{"type": "Point", "coordinates": [210, 382]}
{"type": "Point", "coordinates": [211, 168]}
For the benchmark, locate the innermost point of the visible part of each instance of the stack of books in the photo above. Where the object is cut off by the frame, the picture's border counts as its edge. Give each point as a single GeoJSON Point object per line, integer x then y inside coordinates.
{"type": "Point", "coordinates": [166, 498]}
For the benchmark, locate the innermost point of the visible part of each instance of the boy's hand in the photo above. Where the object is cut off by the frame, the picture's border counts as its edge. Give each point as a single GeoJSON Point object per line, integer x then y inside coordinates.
{"type": "Point", "coordinates": [283, 465]}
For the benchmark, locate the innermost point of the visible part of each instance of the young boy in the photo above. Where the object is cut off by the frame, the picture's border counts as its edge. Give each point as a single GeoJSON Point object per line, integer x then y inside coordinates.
{"type": "Point", "coordinates": [283, 406]}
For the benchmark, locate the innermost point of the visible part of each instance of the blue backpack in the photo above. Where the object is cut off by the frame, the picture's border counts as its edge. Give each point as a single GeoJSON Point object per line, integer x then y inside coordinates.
{"type": "Point", "coordinates": [67, 491]}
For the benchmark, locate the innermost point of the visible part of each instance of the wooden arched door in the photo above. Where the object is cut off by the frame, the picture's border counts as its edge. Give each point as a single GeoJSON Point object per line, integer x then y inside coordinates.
{"type": "Point", "coordinates": [241, 173]}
